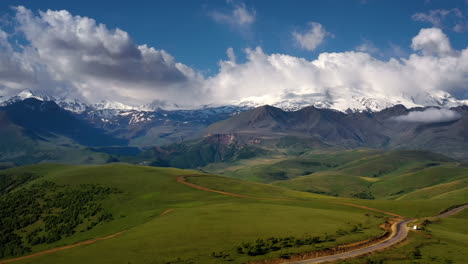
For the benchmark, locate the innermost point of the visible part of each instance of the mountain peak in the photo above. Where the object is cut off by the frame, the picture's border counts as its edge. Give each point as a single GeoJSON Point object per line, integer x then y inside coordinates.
{"type": "Point", "coordinates": [39, 95]}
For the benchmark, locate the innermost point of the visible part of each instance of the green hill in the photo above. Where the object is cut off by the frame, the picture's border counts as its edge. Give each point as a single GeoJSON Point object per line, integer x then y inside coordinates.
{"type": "Point", "coordinates": [387, 175]}
{"type": "Point", "coordinates": [46, 206]}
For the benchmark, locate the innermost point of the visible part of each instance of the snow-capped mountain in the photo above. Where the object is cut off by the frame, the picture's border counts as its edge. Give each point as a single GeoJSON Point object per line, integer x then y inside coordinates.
{"type": "Point", "coordinates": [104, 104]}
{"type": "Point", "coordinates": [106, 110]}
{"type": "Point", "coordinates": [73, 105]}
{"type": "Point", "coordinates": [25, 94]}
{"type": "Point", "coordinates": [356, 103]}
{"type": "Point", "coordinates": [70, 104]}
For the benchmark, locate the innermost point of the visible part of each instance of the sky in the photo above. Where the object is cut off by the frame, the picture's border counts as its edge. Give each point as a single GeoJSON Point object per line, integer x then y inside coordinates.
{"type": "Point", "coordinates": [204, 52]}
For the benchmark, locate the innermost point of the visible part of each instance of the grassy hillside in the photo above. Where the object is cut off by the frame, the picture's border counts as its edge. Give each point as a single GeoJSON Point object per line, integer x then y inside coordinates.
{"type": "Point", "coordinates": [393, 162]}
{"type": "Point", "coordinates": [284, 167]}
{"type": "Point", "coordinates": [19, 146]}
{"type": "Point", "coordinates": [203, 227]}
{"type": "Point", "coordinates": [388, 175]}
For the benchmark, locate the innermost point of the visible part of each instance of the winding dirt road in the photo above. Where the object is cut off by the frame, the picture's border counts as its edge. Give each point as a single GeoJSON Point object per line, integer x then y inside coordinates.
{"type": "Point", "coordinates": [400, 231]}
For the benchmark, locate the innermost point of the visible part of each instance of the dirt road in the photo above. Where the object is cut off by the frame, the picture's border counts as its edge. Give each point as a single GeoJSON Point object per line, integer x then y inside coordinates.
{"type": "Point", "coordinates": [453, 211]}
{"type": "Point", "coordinates": [368, 208]}
{"type": "Point", "coordinates": [400, 231]}
{"type": "Point", "coordinates": [182, 179]}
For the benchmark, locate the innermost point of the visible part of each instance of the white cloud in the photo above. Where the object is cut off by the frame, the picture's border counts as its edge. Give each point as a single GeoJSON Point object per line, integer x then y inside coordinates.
{"type": "Point", "coordinates": [431, 115]}
{"type": "Point", "coordinates": [239, 16]}
{"type": "Point", "coordinates": [312, 37]}
{"type": "Point", "coordinates": [461, 27]}
{"type": "Point", "coordinates": [368, 47]}
{"type": "Point", "coordinates": [339, 77]}
{"type": "Point", "coordinates": [453, 18]}
{"type": "Point", "coordinates": [85, 55]}
{"type": "Point", "coordinates": [231, 55]}
{"type": "Point", "coordinates": [432, 42]}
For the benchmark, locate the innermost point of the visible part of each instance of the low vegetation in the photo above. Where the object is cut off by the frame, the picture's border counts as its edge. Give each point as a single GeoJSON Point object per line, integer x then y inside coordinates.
{"type": "Point", "coordinates": [47, 212]}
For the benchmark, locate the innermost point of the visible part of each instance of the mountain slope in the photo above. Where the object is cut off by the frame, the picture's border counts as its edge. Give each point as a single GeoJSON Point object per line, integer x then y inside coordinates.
{"type": "Point", "coordinates": [47, 118]}
{"type": "Point", "coordinates": [388, 175]}
{"type": "Point", "coordinates": [366, 129]}
{"type": "Point", "coordinates": [21, 146]}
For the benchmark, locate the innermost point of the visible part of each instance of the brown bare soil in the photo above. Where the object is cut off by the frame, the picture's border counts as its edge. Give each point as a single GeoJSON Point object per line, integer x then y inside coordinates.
{"type": "Point", "coordinates": [167, 211]}
{"type": "Point", "coordinates": [371, 209]}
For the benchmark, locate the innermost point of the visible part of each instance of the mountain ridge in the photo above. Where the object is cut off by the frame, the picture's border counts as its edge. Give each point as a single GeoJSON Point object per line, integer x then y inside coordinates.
{"type": "Point", "coordinates": [337, 102]}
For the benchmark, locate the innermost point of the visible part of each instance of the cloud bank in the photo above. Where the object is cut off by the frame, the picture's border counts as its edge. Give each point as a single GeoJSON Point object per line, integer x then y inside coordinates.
{"type": "Point", "coordinates": [74, 56]}
{"type": "Point", "coordinates": [431, 115]}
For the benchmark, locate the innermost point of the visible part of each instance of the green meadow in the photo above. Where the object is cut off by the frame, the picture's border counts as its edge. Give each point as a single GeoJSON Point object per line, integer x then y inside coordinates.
{"type": "Point", "coordinates": [201, 223]}
{"type": "Point", "coordinates": [304, 212]}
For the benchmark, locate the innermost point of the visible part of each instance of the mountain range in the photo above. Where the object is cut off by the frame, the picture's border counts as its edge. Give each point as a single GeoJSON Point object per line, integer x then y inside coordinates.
{"type": "Point", "coordinates": [220, 133]}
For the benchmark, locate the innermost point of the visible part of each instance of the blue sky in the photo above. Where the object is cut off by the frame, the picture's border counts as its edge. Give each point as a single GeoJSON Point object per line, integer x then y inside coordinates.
{"type": "Point", "coordinates": [186, 30]}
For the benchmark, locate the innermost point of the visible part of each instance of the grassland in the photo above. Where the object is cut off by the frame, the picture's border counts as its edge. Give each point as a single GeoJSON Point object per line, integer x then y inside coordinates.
{"type": "Point", "coordinates": [392, 175]}
{"type": "Point", "coordinates": [206, 227]}
{"type": "Point", "coordinates": [201, 222]}
{"type": "Point", "coordinates": [284, 167]}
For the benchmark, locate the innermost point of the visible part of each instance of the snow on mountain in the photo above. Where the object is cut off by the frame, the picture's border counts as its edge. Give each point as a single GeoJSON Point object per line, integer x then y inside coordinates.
{"type": "Point", "coordinates": [104, 104]}
{"type": "Point", "coordinates": [25, 94]}
{"type": "Point", "coordinates": [158, 105]}
{"type": "Point", "coordinates": [106, 110]}
{"type": "Point", "coordinates": [355, 103]}
{"type": "Point", "coordinates": [73, 105]}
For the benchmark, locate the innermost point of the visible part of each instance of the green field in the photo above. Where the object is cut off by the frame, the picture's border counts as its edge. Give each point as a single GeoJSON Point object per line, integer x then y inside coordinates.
{"type": "Point", "coordinates": [390, 175]}
{"type": "Point", "coordinates": [201, 222]}
{"type": "Point", "coordinates": [295, 215]}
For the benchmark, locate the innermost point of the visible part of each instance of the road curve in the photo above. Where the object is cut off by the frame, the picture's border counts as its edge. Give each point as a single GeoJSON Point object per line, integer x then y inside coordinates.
{"type": "Point", "coordinates": [400, 233]}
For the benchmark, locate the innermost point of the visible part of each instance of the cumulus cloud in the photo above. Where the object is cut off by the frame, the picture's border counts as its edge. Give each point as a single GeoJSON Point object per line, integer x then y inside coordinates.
{"type": "Point", "coordinates": [239, 16]}
{"type": "Point", "coordinates": [454, 18]}
{"type": "Point", "coordinates": [17, 70]}
{"type": "Point", "coordinates": [341, 77]}
{"type": "Point", "coordinates": [311, 38]}
{"type": "Point", "coordinates": [432, 42]}
{"type": "Point", "coordinates": [82, 54]}
{"type": "Point", "coordinates": [431, 115]}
